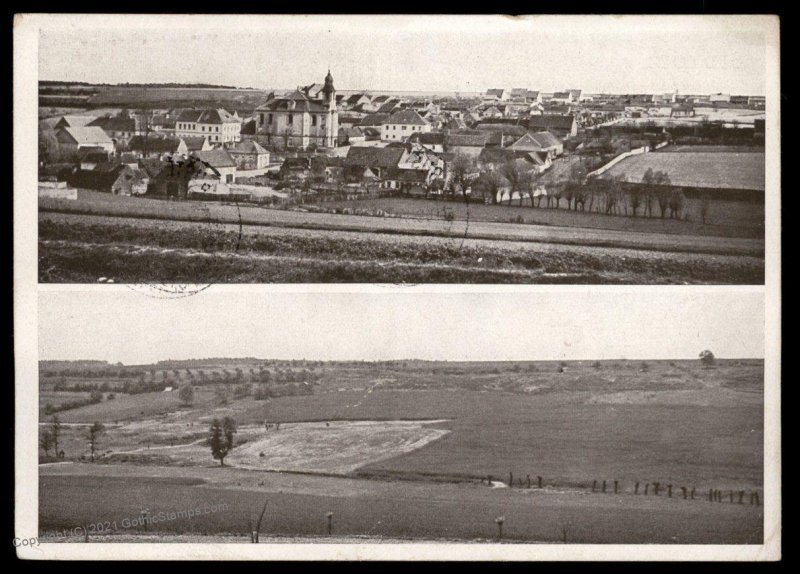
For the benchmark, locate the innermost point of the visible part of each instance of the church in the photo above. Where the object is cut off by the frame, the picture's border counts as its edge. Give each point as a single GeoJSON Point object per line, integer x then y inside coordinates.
{"type": "Point", "coordinates": [303, 118]}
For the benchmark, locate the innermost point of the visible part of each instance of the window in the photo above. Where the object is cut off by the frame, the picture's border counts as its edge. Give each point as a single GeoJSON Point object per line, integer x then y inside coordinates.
{"type": "Point", "coordinates": [203, 128]}
{"type": "Point", "coordinates": [291, 119]}
{"type": "Point", "coordinates": [217, 128]}
{"type": "Point", "coordinates": [261, 118]}
{"type": "Point", "coordinates": [313, 120]}
{"type": "Point", "coordinates": [270, 118]}
{"type": "Point", "coordinates": [404, 128]}
{"type": "Point", "coordinates": [387, 127]}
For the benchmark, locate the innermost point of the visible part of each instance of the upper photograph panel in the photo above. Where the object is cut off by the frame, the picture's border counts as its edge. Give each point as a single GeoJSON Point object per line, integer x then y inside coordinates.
{"type": "Point", "coordinates": [600, 150]}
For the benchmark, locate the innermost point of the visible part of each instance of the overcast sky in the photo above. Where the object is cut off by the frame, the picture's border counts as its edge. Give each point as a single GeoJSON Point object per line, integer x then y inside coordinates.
{"type": "Point", "coordinates": [611, 54]}
{"type": "Point", "coordinates": [120, 324]}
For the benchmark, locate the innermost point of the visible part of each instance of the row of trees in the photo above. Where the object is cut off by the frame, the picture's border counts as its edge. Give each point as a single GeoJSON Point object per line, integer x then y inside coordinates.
{"type": "Point", "coordinates": [653, 197]}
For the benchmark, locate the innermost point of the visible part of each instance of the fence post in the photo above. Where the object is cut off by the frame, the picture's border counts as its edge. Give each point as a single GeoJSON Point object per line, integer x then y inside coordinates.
{"type": "Point", "coordinates": [539, 481]}
{"type": "Point", "coordinates": [510, 480]}
{"type": "Point", "coordinates": [710, 495]}
{"type": "Point", "coordinates": [499, 520]}
{"type": "Point", "coordinates": [684, 490]}
{"type": "Point", "coordinates": [656, 486]}
{"type": "Point", "coordinates": [594, 485]}
{"type": "Point", "coordinates": [692, 494]}
{"type": "Point", "coordinates": [329, 515]}
{"type": "Point", "coordinates": [731, 495]}
{"type": "Point", "coordinates": [669, 490]}
{"type": "Point", "coordinates": [489, 480]}
{"type": "Point", "coordinates": [646, 488]}
{"type": "Point", "coordinates": [616, 487]}
{"type": "Point", "coordinates": [529, 480]}
{"type": "Point", "coordinates": [741, 496]}
{"type": "Point", "coordinates": [636, 488]}
{"type": "Point", "coordinates": [604, 486]}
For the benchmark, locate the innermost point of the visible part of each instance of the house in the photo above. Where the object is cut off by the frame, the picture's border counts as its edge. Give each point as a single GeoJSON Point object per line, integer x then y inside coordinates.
{"type": "Point", "coordinates": [400, 125]}
{"type": "Point", "coordinates": [434, 141]}
{"type": "Point", "coordinates": [357, 100]}
{"type": "Point", "coordinates": [119, 129]}
{"type": "Point", "coordinates": [171, 177]}
{"type": "Point", "coordinates": [249, 155]}
{"type": "Point", "coordinates": [117, 179]}
{"type": "Point", "coordinates": [563, 127]}
{"type": "Point", "coordinates": [217, 125]}
{"type": "Point", "coordinates": [220, 162]}
{"type": "Point", "coordinates": [198, 143]}
{"type": "Point", "coordinates": [156, 145]}
{"type": "Point", "coordinates": [73, 122]}
{"type": "Point", "coordinates": [492, 112]}
{"type": "Point", "coordinates": [372, 162]}
{"type": "Point", "coordinates": [373, 120]}
{"type": "Point", "coordinates": [682, 111]}
{"type": "Point", "coordinates": [92, 157]}
{"type": "Point", "coordinates": [371, 133]}
{"type": "Point", "coordinates": [295, 168]}
{"type": "Point", "coordinates": [349, 136]}
{"type": "Point", "coordinates": [539, 142]}
{"type": "Point", "coordinates": [471, 142]}
{"type": "Point", "coordinates": [499, 95]}
{"type": "Point", "coordinates": [73, 139]}
{"type": "Point", "coordinates": [518, 94]}
{"type": "Point", "coordinates": [389, 106]}
{"type": "Point", "coordinates": [561, 97]}
{"type": "Point", "coordinates": [302, 118]}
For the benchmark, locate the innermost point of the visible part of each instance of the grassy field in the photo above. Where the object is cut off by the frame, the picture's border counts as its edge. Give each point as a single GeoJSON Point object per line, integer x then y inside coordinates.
{"type": "Point", "coordinates": [400, 449]}
{"type": "Point", "coordinates": [78, 249]}
{"type": "Point", "coordinates": [730, 170]}
{"type": "Point", "coordinates": [396, 510]}
{"type": "Point", "coordinates": [724, 218]}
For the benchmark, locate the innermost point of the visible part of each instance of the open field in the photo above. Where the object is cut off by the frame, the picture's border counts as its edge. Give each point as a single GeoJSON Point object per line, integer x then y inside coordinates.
{"type": "Point", "coordinates": [297, 505]}
{"type": "Point", "coordinates": [712, 170]}
{"type": "Point", "coordinates": [402, 449]}
{"type": "Point", "coordinates": [141, 240]}
{"type": "Point", "coordinates": [723, 219]}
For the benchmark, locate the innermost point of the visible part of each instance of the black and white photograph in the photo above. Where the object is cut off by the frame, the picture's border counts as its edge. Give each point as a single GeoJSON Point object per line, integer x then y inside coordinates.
{"type": "Point", "coordinates": [397, 287]}
{"type": "Point", "coordinates": [357, 421]}
{"type": "Point", "coordinates": [392, 150]}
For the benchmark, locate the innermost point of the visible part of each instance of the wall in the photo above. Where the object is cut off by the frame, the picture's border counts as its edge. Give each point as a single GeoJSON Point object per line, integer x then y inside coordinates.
{"type": "Point", "coordinates": [618, 159]}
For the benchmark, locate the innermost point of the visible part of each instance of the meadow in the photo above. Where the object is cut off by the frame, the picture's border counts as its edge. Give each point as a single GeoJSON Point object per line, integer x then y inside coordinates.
{"type": "Point", "coordinates": [78, 249]}
{"type": "Point", "coordinates": [404, 449]}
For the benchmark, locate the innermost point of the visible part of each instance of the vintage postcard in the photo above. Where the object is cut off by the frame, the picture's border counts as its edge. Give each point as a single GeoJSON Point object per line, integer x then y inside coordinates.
{"type": "Point", "coordinates": [393, 150]}
{"type": "Point", "coordinates": [397, 287]}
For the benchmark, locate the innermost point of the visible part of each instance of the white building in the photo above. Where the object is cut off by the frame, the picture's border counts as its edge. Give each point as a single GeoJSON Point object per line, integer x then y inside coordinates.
{"type": "Point", "coordinates": [401, 125]}
{"type": "Point", "coordinates": [217, 125]}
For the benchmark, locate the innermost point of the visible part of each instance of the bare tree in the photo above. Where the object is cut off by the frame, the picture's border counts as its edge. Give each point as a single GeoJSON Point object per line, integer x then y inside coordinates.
{"type": "Point", "coordinates": [517, 177]}
{"type": "Point", "coordinates": [460, 167]}
{"type": "Point", "coordinates": [46, 441]}
{"type": "Point", "coordinates": [93, 435]}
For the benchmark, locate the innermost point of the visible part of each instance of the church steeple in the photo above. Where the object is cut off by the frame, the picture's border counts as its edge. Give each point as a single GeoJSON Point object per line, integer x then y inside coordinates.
{"type": "Point", "coordinates": [329, 90]}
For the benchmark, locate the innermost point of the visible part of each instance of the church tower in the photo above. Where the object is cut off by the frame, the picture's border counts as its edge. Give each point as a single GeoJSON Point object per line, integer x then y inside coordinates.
{"type": "Point", "coordinates": [329, 100]}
